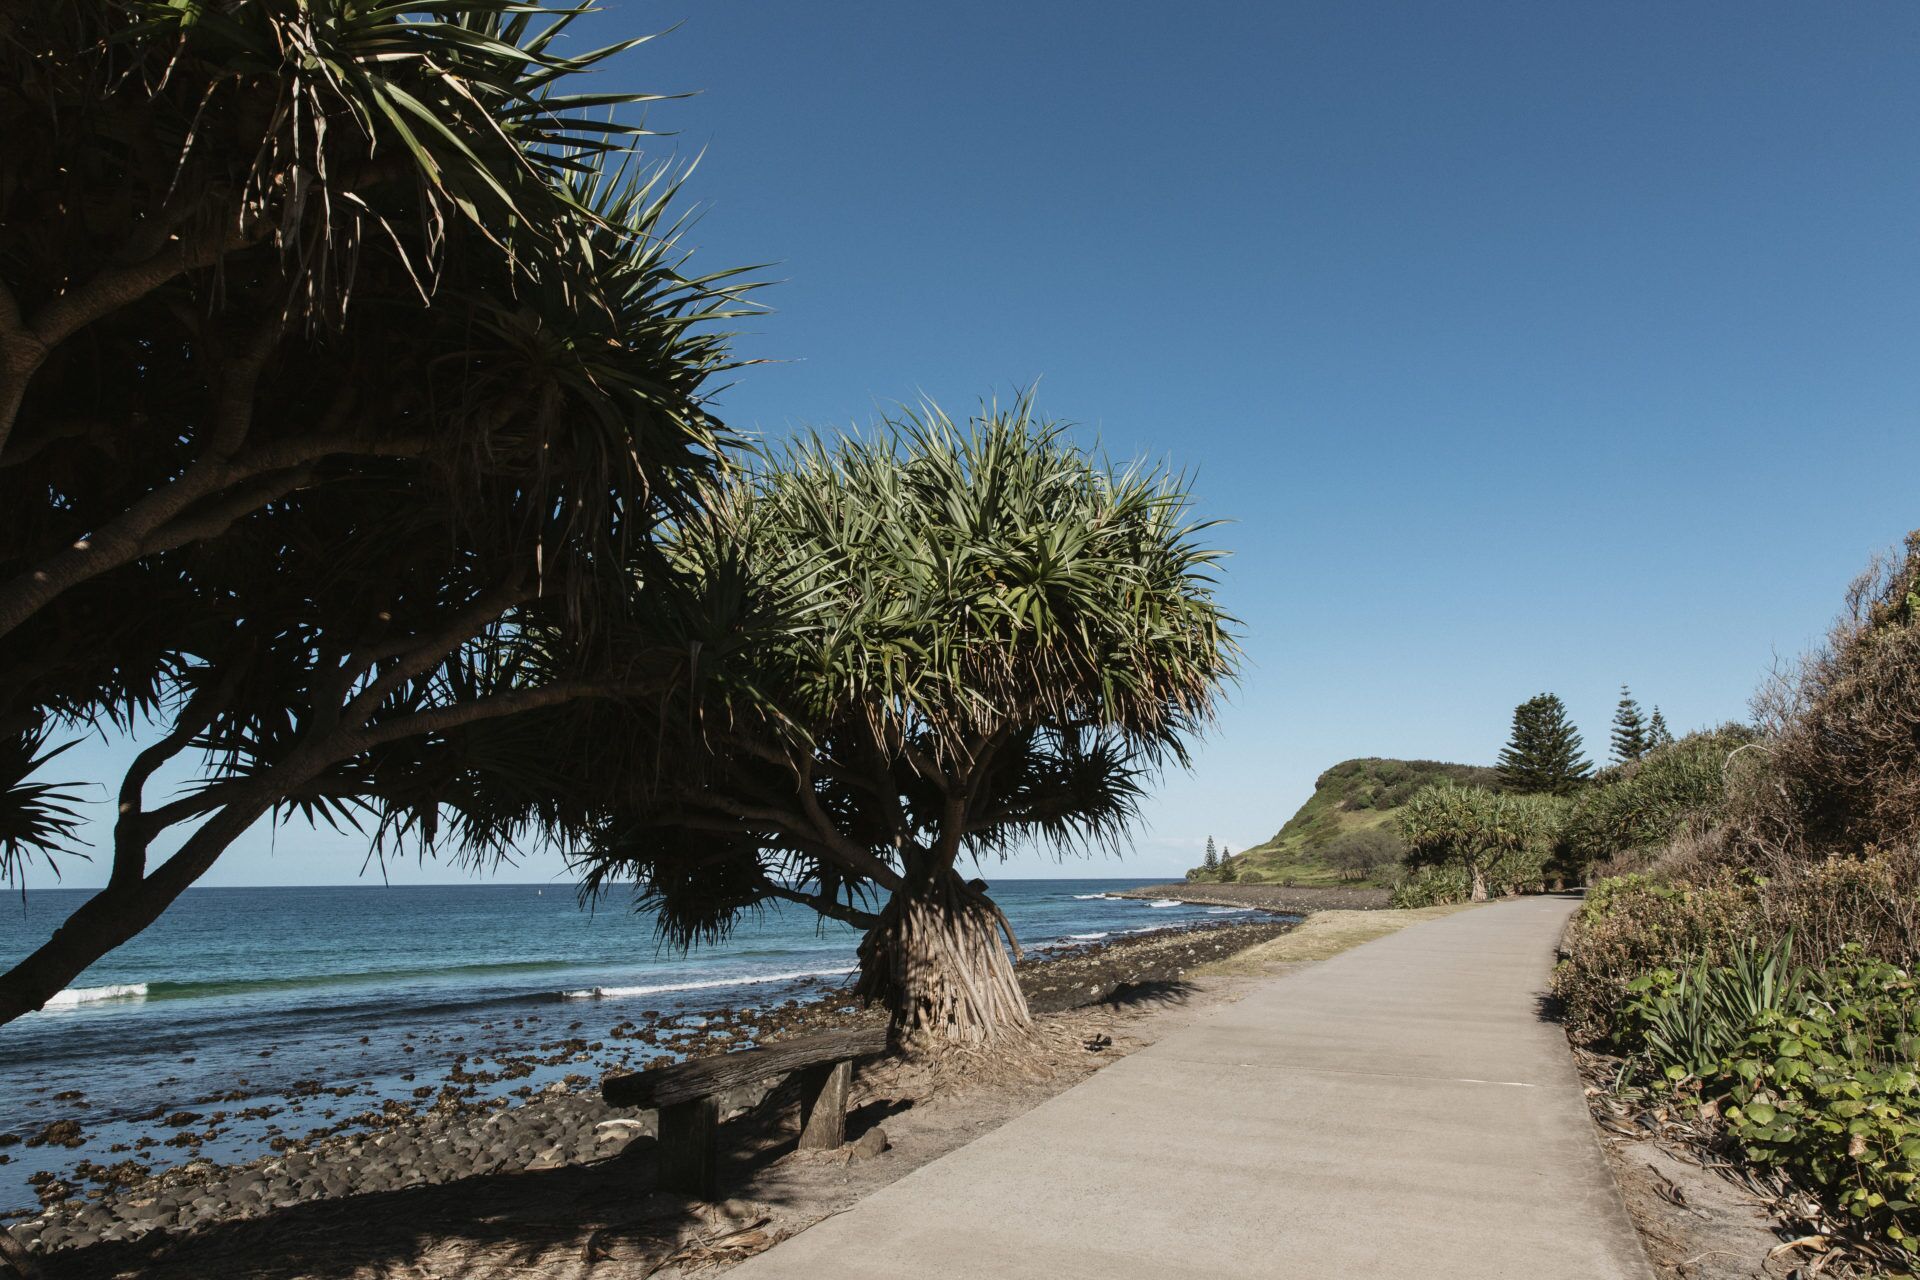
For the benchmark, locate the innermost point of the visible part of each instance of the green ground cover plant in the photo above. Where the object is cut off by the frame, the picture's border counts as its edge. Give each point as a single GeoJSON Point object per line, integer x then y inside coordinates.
{"type": "Point", "coordinates": [1814, 1072]}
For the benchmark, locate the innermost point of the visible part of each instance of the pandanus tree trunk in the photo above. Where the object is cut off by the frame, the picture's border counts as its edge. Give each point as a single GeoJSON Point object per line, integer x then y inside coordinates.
{"type": "Point", "coordinates": [936, 960]}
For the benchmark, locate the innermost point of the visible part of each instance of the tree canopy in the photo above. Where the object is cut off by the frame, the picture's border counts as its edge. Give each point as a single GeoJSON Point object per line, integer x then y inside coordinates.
{"type": "Point", "coordinates": [1494, 837]}
{"type": "Point", "coordinates": [1543, 754]}
{"type": "Point", "coordinates": [1631, 735]}
{"type": "Point", "coordinates": [348, 364]}
{"type": "Point", "coordinates": [935, 642]}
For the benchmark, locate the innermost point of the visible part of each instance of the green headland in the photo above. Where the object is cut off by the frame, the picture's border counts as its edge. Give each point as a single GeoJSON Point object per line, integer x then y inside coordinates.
{"type": "Point", "coordinates": [1345, 833]}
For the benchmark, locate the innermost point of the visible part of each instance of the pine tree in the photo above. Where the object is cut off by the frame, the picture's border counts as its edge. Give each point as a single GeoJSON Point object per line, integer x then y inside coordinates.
{"type": "Point", "coordinates": [1543, 755]}
{"type": "Point", "coordinates": [1631, 739]}
{"type": "Point", "coordinates": [1213, 856]}
{"type": "Point", "coordinates": [1658, 735]}
{"type": "Point", "coordinates": [1226, 863]}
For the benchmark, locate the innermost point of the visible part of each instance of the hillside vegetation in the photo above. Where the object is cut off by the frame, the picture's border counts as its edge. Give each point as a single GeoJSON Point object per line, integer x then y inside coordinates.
{"type": "Point", "coordinates": [1750, 977]}
{"type": "Point", "coordinates": [1353, 797]}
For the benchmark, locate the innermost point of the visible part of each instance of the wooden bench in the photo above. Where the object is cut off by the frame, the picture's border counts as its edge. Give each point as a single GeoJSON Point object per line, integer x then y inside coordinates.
{"type": "Point", "coordinates": [685, 1095]}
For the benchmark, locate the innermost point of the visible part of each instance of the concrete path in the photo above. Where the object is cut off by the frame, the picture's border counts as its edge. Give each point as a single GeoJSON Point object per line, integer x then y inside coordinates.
{"type": "Point", "coordinates": [1398, 1110]}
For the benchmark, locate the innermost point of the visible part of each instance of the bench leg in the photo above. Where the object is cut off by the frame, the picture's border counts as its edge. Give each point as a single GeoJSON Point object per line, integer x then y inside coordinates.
{"type": "Point", "coordinates": [688, 1149]}
{"type": "Point", "coordinates": [823, 1107]}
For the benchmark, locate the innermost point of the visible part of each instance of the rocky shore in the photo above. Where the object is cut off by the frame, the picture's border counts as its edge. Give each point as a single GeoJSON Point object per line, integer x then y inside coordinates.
{"type": "Point", "coordinates": [456, 1132]}
{"type": "Point", "coordinates": [1297, 901]}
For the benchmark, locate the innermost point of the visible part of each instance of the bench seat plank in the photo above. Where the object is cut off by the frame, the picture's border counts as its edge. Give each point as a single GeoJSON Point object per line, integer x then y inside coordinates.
{"type": "Point", "coordinates": [702, 1077]}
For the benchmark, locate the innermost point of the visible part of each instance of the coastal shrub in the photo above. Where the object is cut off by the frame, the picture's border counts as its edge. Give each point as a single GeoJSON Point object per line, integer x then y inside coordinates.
{"type": "Point", "coordinates": [1359, 854]}
{"type": "Point", "coordinates": [1635, 925]}
{"type": "Point", "coordinates": [1432, 886]}
{"type": "Point", "coordinates": [1815, 1073]}
{"type": "Point", "coordinates": [1638, 809]}
{"type": "Point", "coordinates": [1841, 747]}
{"type": "Point", "coordinates": [1800, 845]}
{"type": "Point", "coordinates": [1691, 1019]}
{"type": "Point", "coordinates": [1871, 901]}
{"type": "Point", "coordinates": [1672, 919]}
{"type": "Point", "coordinates": [1399, 793]}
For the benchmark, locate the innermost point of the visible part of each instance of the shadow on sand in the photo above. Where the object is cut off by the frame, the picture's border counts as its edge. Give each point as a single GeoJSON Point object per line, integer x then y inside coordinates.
{"type": "Point", "coordinates": [552, 1223]}
{"type": "Point", "coordinates": [555, 1224]}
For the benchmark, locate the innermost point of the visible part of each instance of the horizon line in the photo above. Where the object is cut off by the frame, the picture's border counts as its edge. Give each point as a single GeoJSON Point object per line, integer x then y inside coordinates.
{"type": "Point", "coordinates": [468, 884]}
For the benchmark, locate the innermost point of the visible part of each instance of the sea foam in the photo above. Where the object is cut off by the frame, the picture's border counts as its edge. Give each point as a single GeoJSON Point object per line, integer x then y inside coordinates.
{"type": "Point", "coordinates": [90, 995]}
{"type": "Point", "coordinates": [750, 980]}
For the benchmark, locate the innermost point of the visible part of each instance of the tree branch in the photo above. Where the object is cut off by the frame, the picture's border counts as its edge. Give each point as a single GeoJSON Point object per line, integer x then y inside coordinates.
{"type": "Point", "coordinates": [926, 768]}
{"type": "Point", "coordinates": [124, 539]}
{"type": "Point", "coordinates": [218, 518]}
{"type": "Point", "coordinates": [888, 792]}
{"type": "Point", "coordinates": [131, 830]}
{"type": "Point", "coordinates": [745, 817]}
{"type": "Point", "coordinates": [239, 385]}
{"type": "Point", "coordinates": [71, 429]}
{"type": "Point", "coordinates": [825, 906]}
{"type": "Point", "coordinates": [116, 287]}
{"type": "Point", "coordinates": [120, 911]}
{"type": "Point", "coordinates": [850, 854]}
{"type": "Point", "coordinates": [983, 753]}
{"type": "Point", "coordinates": [12, 326]}
{"type": "Point", "coordinates": [25, 345]}
{"type": "Point", "coordinates": [440, 719]}
{"type": "Point", "coordinates": [426, 654]}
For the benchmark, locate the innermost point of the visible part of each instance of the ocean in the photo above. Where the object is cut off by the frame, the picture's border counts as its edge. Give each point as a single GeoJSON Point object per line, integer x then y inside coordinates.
{"type": "Point", "coordinates": [243, 998]}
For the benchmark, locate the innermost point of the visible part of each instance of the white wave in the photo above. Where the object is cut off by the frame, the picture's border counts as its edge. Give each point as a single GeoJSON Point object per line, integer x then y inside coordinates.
{"type": "Point", "coordinates": [1166, 902]}
{"type": "Point", "coordinates": [90, 995]}
{"type": "Point", "coordinates": [756, 979]}
{"type": "Point", "coordinates": [1084, 897]}
{"type": "Point", "coordinates": [1228, 911]}
{"type": "Point", "coordinates": [1085, 937]}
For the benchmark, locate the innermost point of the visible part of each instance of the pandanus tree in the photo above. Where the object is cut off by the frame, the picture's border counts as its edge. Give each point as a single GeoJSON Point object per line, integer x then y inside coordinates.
{"type": "Point", "coordinates": [902, 654]}
{"type": "Point", "coordinates": [341, 352]}
{"type": "Point", "coordinates": [1493, 837]}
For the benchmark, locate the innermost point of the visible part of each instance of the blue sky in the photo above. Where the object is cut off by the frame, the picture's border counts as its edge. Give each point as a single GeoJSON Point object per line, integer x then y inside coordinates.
{"type": "Point", "coordinates": [1529, 346]}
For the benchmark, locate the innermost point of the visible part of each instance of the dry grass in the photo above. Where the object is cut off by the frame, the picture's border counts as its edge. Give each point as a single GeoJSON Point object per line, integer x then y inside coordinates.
{"type": "Point", "coordinates": [1323, 935]}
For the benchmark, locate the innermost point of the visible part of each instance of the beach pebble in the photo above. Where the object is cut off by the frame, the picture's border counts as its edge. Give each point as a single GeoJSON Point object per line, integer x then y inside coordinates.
{"type": "Point", "coordinates": [613, 1136]}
